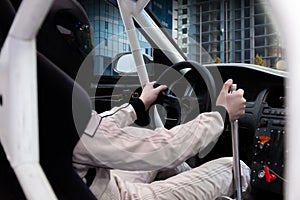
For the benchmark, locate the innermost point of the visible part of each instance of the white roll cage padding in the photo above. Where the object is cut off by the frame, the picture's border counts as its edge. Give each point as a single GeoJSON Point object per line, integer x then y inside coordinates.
{"type": "Point", "coordinates": [134, 10]}
{"type": "Point", "coordinates": [18, 89]}
{"type": "Point", "coordinates": [19, 118]}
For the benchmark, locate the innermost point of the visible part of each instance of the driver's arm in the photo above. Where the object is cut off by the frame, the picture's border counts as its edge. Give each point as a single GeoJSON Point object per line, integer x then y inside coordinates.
{"type": "Point", "coordinates": [116, 145]}
{"type": "Point", "coordinates": [139, 114]}
{"type": "Point", "coordinates": [133, 148]}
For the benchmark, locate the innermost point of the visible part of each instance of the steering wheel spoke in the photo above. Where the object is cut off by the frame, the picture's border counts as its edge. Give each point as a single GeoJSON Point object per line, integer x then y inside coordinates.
{"type": "Point", "coordinates": [192, 86]}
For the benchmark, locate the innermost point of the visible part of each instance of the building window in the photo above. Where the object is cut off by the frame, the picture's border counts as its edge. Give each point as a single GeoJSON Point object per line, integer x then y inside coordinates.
{"type": "Point", "coordinates": [184, 31]}
{"type": "Point", "coordinates": [184, 50]}
{"type": "Point", "coordinates": [184, 2]}
{"type": "Point", "coordinates": [184, 21]}
{"type": "Point", "coordinates": [106, 25]}
{"type": "Point", "coordinates": [184, 40]}
{"type": "Point", "coordinates": [106, 7]}
{"type": "Point", "coordinates": [184, 11]}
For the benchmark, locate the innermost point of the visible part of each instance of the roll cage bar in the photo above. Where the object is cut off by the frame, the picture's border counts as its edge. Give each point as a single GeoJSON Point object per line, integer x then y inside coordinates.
{"type": "Point", "coordinates": [18, 116]}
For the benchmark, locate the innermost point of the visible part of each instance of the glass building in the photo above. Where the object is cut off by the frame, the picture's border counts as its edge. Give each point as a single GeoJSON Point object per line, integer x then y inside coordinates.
{"type": "Point", "coordinates": [228, 30]}
{"type": "Point", "coordinates": [110, 38]}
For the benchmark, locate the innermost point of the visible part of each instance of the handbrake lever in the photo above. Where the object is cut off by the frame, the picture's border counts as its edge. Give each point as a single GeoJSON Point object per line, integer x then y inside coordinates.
{"type": "Point", "coordinates": [236, 156]}
{"type": "Point", "coordinates": [236, 159]}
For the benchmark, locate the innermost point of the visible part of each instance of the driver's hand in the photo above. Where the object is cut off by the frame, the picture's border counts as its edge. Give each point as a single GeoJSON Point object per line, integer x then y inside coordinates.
{"type": "Point", "coordinates": [234, 102]}
{"type": "Point", "coordinates": [149, 93]}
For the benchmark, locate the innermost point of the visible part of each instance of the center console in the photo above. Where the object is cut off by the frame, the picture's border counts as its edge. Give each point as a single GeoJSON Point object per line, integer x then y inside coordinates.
{"type": "Point", "coordinates": [268, 150]}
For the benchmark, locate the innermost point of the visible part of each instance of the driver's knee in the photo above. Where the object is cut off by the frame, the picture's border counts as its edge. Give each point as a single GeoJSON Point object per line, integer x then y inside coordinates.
{"type": "Point", "coordinates": [245, 172]}
{"type": "Point", "coordinates": [226, 163]}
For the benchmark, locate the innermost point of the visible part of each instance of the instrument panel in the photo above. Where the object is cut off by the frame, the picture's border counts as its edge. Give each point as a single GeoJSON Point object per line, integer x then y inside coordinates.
{"type": "Point", "coordinates": [268, 149]}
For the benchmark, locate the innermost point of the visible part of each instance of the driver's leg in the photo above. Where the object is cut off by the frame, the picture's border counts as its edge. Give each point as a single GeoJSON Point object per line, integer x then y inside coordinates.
{"type": "Point", "coordinates": [135, 176]}
{"type": "Point", "coordinates": [209, 181]}
{"type": "Point", "coordinates": [150, 176]}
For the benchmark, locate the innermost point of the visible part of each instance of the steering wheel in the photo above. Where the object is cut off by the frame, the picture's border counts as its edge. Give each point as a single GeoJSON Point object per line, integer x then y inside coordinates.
{"type": "Point", "coordinates": [191, 91]}
{"type": "Point", "coordinates": [171, 105]}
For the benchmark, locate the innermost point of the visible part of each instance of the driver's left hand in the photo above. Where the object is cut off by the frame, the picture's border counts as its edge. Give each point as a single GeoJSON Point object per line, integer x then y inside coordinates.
{"type": "Point", "coordinates": [150, 93]}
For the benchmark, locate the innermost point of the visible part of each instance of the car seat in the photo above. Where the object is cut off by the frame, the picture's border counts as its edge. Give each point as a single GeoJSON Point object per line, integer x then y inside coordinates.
{"type": "Point", "coordinates": [66, 39]}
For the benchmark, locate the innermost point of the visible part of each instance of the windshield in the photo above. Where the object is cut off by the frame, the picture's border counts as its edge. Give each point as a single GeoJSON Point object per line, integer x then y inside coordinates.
{"type": "Point", "coordinates": [204, 31]}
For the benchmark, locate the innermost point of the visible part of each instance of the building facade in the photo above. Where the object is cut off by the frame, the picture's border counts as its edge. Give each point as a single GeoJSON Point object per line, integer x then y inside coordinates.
{"type": "Point", "coordinates": [109, 32]}
{"type": "Point", "coordinates": [227, 31]}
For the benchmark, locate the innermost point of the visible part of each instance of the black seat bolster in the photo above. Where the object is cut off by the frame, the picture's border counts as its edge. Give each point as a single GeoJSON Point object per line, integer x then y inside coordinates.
{"type": "Point", "coordinates": [58, 132]}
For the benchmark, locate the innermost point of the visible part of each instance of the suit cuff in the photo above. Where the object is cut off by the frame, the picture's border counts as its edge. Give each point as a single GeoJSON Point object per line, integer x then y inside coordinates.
{"type": "Point", "coordinates": [142, 116]}
{"type": "Point", "coordinates": [223, 112]}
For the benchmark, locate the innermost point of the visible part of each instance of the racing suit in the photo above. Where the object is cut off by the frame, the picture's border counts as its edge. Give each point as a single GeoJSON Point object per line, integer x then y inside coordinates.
{"type": "Point", "coordinates": [110, 143]}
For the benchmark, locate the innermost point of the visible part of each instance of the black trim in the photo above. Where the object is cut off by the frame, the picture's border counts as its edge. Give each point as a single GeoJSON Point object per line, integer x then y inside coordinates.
{"type": "Point", "coordinates": [143, 118]}
{"type": "Point", "coordinates": [223, 112]}
{"type": "Point", "coordinates": [90, 176]}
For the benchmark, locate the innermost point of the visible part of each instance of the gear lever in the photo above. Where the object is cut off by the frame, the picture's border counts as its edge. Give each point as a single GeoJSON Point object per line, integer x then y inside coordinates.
{"type": "Point", "coordinates": [236, 159]}
{"type": "Point", "coordinates": [236, 156]}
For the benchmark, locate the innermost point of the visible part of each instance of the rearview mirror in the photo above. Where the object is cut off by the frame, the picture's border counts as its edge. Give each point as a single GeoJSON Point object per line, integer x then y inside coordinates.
{"type": "Point", "coordinates": [124, 63]}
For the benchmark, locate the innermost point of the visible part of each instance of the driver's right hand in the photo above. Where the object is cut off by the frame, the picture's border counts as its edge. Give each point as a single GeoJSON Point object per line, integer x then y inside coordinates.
{"type": "Point", "coordinates": [233, 102]}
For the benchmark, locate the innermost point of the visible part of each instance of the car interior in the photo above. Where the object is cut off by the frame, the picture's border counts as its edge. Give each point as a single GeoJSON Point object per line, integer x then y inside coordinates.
{"type": "Point", "coordinates": [192, 90]}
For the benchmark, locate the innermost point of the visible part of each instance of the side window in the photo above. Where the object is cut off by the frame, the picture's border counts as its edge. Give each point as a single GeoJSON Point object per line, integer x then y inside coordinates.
{"type": "Point", "coordinates": [109, 36]}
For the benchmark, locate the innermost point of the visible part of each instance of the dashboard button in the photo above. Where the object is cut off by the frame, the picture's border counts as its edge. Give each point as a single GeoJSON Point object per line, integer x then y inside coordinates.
{"type": "Point", "coordinates": [273, 112]}
{"type": "Point", "coordinates": [276, 122]}
{"type": "Point", "coordinates": [261, 174]}
{"type": "Point", "coordinates": [263, 122]}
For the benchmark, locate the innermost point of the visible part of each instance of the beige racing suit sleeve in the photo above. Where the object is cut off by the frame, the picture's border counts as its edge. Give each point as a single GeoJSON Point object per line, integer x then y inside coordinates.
{"type": "Point", "coordinates": [110, 143]}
